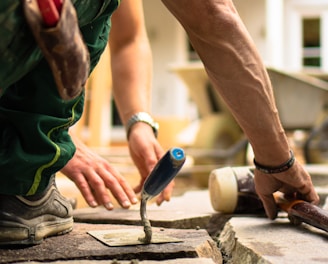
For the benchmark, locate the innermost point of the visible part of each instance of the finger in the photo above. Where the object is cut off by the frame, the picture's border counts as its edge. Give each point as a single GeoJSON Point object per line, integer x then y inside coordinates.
{"type": "Point", "coordinates": [119, 187]}
{"type": "Point", "coordinates": [309, 194]}
{"type": "Point", "coordinates": [161, 198]}
{"type": "Point", "coordinates": [270, 206]}
{"type": "Point", "coordinates": [122, 193]}
{"type": "Point", "coordinates": [99, 190]}
{"type": "Point", "coordinates": [145, 162]}
{"type": "Point", "coordinates": [138, 188]}
{"type": "Point", "coordinates": [86, 191]}
{"type": "Point", "coordinates": [144, 172]}
{"type": "Point", "coordinates": [299, 180]}
{"type": "Point", "coordinates": [166, 193]}
{"type": "Point", "coordinates": [129, 192]}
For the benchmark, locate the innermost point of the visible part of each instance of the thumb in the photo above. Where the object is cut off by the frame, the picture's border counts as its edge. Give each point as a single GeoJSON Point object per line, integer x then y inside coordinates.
{"type": "Point", "coordinates": [138, 188]}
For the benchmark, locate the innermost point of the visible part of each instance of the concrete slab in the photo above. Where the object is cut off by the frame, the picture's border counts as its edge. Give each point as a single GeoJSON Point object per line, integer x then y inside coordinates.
{"type": "Point", "coordinates": [191, 210]}
{"type": "Point", "coordinates": [78, 245]}
{"type": "Point", "coordinates": [260, 240]}
{"type": "Point", "coordinates": [170, 261]}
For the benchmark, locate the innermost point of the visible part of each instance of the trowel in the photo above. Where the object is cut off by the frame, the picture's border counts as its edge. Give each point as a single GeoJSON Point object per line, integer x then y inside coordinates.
{"type": "Point", "coordinates": [162, 174]}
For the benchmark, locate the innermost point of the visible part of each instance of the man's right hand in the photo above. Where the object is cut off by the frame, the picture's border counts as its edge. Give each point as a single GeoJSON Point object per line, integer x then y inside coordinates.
{"type": "Point", "coordinates": [295, 182]}
{"type": "Point", "coordinates": [95, 177]}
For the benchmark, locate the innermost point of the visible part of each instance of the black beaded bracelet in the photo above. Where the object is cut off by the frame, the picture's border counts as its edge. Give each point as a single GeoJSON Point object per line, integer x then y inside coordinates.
{"type": "Point", "coordinates": [281, 168]}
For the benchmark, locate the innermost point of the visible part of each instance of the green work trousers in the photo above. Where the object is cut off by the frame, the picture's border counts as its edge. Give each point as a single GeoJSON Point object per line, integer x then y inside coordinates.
{"type": "Point", "coordinates": [34, 120]}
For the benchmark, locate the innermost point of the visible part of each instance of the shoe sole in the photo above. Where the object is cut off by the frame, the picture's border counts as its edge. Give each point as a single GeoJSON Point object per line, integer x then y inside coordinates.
{"type": "Point", "coordinates": [13, 233]}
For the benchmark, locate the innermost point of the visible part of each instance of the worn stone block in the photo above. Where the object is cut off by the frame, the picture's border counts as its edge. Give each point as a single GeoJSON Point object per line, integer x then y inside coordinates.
{"type": "Point", "coordinates": [260, 240]}
{"type": "Point", "coordinates": [78, 245]}
{"type": "Point", "coordinates": [191, 210]}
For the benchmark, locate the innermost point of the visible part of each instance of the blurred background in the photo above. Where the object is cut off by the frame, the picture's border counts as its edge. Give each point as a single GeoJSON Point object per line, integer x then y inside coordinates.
{"type": "Point", "coordinates": [291, 36]}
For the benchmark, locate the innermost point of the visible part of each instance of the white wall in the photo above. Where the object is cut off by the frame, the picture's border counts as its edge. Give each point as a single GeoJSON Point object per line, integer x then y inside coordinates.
{"type": "Point", "coordinates": [169, 45]}
{"type": "Point", "coordinates": [252, 12]}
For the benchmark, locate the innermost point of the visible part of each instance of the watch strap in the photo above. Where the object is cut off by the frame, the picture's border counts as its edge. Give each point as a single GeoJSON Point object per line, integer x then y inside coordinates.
{"type": "Point", "coordinates": [141, 117]}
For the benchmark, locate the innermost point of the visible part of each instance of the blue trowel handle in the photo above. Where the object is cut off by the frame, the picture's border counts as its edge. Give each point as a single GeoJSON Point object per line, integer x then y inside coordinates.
{"type": "Point", "coordinates": [165, 170]}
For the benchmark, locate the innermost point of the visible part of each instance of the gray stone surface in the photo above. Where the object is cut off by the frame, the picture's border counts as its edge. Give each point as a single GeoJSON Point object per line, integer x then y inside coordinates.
{"type": "Point", "coordinates": [169, 261]}
{"type": "Point", "coordinates": [259, 240]}
{"type": "Point", "coordinates": [243, 240]}
{"type": "Point", "coordinates": [191, 210]}
{"type": "Point", "coordinates": [78, 245]}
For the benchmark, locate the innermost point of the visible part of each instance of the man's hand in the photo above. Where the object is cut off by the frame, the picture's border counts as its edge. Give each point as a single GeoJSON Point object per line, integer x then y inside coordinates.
{"type": "Point", "coordinates": [146, 152]}
{"type": "Point", "coordinates": [295, 182]}
{"type": "Point", "coordinates": [94, 176]}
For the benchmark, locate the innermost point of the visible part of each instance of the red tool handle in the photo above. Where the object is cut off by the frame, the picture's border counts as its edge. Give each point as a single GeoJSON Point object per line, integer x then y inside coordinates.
{"type": "Point", "coordinates": [58, 4]}
{"type": "Point", "coordinates": [302, 211]}
{"type": "Point", "coordinates": [50, 11]}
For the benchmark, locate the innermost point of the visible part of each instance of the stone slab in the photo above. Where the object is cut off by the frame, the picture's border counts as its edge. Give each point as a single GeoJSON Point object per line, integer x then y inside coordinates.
{"type": "Point", "coordinates": [131, 237]}
{"type": "Point", "coordinates": [170, 261]}
{"type": "Point", "coordinates": [260, 240]}
{"type": "Point", "coordinates": [191, 210]}
{"type": "Point", "coordinates": [78, 245]}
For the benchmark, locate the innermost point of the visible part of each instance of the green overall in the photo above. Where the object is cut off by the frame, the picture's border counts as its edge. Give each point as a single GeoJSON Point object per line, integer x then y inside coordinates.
{"type": "Point", "coordinates": [34, 120]}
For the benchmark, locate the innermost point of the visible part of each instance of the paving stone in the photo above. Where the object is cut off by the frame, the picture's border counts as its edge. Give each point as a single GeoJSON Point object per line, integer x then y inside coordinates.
{"type": "Point", "coordinates": [78, 245]}
{"type": "Point", "coordinates": [259, 240]}
{"type": "Point", "coordinates": [191, 210]}
{"type": "Point", "coordinates": [170, 261]}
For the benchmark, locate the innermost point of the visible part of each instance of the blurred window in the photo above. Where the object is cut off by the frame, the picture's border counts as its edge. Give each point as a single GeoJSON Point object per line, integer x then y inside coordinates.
{"type": "Point", "coordinates": [311, 42]}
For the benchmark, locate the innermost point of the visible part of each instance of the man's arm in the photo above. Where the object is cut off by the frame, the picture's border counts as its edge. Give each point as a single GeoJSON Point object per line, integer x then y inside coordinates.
{"type": "Point", "coordinates": [131, 60]}
{"type": "Point", "coordinates": [238, 74]}
{"type": "Point", "coordinates": [131, 72]}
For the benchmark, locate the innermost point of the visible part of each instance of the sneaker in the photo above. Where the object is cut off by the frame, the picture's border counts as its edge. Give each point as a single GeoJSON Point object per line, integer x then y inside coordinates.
{"type": "Point", "coordinates": [28, 220]}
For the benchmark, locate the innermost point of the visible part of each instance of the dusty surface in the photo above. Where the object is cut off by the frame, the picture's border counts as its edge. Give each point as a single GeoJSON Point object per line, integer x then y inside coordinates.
{"type": "Point", "coordinates": [191, 210]}
{"type": "Point", "coordinates": [244, 239]}
{"type": "Point", "coordinates": [78, 245]}
{"type": "Point", "coordinates": [249, 240]}
{"type": "Point", "coordinates": [169, 261]}
{"type": "Point", "coordinates": [189, 216]}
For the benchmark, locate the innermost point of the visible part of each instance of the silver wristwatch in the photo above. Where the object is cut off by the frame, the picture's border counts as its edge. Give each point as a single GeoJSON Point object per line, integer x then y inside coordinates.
{"type": "Point", "coordinates": [142, 117]}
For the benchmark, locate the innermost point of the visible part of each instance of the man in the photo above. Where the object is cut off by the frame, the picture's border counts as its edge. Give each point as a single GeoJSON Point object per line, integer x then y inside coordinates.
{"type": "Point", "coordinates": [34, 122]}
{"type": "Point", "coordinates": [232, 63]}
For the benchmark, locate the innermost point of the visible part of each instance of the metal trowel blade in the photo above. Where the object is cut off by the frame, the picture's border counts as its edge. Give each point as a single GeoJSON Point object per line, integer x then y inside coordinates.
{"type": "Point", "coordinates": [129, 237]}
